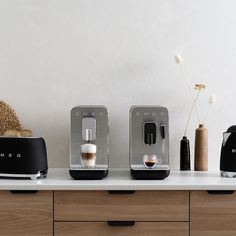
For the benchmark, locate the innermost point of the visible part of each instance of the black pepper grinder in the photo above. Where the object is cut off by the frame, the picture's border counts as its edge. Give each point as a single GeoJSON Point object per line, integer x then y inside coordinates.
{"type": "Point", "coordinates": [185, 154]}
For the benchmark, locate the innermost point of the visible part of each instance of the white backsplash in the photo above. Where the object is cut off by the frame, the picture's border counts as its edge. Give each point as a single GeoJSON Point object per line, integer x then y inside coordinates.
{"type": "Point", "coordinates": [58, 54]}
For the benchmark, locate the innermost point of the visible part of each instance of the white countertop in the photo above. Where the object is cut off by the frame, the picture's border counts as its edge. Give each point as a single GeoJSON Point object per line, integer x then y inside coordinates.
{"type": "Point", "coordinates": [120, 179]}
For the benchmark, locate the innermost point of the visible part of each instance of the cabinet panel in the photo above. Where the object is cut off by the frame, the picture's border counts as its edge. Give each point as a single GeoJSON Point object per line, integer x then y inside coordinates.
{"type": "Point", "coordinates": [139, 229]}
{"type": "Point", "coordinates": [140, 206]}
{"type": "Point", "coordinates": [212, 214]}
{"type": "Point", "coordinates": [26, 214]}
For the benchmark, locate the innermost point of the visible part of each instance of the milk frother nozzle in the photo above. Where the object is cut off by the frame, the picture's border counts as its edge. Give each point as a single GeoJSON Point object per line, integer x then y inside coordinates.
{"type": "Point", "coordinates": [162, 129]}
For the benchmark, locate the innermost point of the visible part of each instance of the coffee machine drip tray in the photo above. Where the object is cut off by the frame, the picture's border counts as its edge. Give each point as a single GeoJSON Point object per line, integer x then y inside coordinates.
{"type": "Point", "coordinates": [157, 167]}
{"type": "Point", "coordinates": [80, 167]}
{"type": "Point", "coordinates": [79, 172]}
{"type": "Point", "coordinates": [159, 172]}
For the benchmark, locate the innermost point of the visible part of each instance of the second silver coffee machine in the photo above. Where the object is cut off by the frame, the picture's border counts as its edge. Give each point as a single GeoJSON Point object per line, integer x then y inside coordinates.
{"type": "Point", "coordinates": [149, 142]}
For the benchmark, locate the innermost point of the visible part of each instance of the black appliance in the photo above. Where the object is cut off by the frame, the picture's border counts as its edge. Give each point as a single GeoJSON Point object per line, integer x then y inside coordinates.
{"type": "Point", "coordinates": [228, 153]}
{"type": "Point", "coordinates": [23, 157]}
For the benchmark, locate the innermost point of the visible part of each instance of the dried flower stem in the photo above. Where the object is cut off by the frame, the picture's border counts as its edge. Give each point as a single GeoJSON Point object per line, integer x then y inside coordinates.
{"type": "Point", "coordinates": [190, 91]}
{"type": "Point", "coordinates": [207, 113]}
{"type": "Point", "coordinates": [189, 116]}
{"type": "Point", "coordinates": [212, 101]}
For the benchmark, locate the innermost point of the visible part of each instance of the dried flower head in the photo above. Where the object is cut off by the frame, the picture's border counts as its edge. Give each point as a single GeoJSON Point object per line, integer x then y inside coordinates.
{"type": "Point", "coordinates": [199, 87]}
{"type": "Point", "coordinates": [212, 99]}
{"type": "Point", "coordinates": [179, 59]}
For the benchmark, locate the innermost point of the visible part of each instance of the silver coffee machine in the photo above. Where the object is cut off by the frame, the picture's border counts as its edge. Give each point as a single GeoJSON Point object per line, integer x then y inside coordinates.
{"type": "Point", "coordinates": [89, 152]}
{"type": "Point", "coordinates": [149, 142]}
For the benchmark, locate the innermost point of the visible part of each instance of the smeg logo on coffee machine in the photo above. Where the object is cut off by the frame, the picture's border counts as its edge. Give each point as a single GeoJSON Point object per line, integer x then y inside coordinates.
{"type": "Point", "coordinates": [10, 155]}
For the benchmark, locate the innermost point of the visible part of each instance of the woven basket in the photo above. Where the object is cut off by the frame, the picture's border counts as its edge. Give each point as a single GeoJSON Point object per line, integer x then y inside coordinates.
{"type": "Point", "coordinates": [8, 118]}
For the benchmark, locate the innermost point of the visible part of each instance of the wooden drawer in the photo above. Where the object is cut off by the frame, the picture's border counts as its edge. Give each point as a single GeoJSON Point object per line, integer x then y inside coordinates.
{"type": "Point", "coordinates": [103, 206]}
{"type": "Point", "coordinates": [212, 214]}
{"type": "Point", "coordinates": [139, 229]}
{"type": "Point", "coordinates": [26, 214]}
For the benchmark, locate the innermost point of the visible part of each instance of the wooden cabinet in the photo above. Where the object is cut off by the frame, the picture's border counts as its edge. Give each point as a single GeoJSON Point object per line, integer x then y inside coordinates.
{"type": "Point", "coordinates": [89, 213]}
{"type": "Point", "coordinates": [26, 214]}
{"type": "Point", "coordinates": [212, 214]}
{"type": "Point", "coordinates": [139, 229]}
{"type": "Point", "coordinates": [153, 213]}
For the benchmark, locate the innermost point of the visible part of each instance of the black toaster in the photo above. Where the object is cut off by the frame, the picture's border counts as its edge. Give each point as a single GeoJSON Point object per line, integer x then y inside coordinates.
{"type": "Point", "coordinates": [23, 157]}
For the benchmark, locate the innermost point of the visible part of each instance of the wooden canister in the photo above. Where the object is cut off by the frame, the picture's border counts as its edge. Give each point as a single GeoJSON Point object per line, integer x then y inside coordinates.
{"type": "Point", "coordinates": [201, 149]}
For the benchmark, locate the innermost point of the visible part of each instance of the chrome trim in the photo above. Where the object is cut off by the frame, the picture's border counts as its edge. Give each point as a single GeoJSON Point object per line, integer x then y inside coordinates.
{"type": "Point", "coordinates": [228, 174]}
{"type": "Point", "coordinates": [12, 137]}
{"type": "Point", "coordinates": [85, 169]}
{"type": "Point", "coordinates": [30, 176]}
{"type": "Point", "coordinates": [157, 167]}
{"type": "Point", "coordinates": [225, 137]}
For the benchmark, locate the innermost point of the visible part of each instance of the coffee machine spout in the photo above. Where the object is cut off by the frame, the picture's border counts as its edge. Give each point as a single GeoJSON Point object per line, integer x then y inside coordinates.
{"type": "Point", "coordinates": [150, 132]}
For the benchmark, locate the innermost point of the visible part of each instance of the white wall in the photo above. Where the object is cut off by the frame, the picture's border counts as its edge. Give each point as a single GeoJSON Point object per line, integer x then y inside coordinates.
{"type": "Point", "coordinates": [57, 54]}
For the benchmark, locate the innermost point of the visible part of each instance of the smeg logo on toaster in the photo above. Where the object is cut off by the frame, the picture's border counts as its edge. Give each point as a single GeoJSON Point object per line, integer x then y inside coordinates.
{"type": "Point", "coordinates": [10, 155]}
